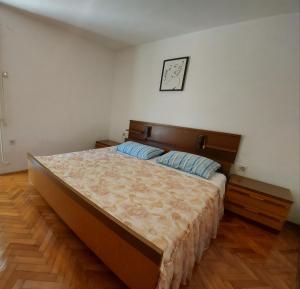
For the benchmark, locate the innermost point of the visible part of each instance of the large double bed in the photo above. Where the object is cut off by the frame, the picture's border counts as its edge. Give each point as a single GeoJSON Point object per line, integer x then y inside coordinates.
{"type": "Point", "coordinates": [149, 223]}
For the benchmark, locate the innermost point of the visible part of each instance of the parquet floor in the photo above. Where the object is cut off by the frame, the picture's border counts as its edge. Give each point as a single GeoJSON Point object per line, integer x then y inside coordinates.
{"type": "Point", "coordinates": [38, 251]}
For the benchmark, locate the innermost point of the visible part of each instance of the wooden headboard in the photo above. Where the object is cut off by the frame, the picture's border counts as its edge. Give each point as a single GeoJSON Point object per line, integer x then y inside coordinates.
{"type": "Point", "coordinates": [219, 146]}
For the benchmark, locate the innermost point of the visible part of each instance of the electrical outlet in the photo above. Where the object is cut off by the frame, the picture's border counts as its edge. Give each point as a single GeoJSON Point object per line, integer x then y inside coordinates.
{"type": "Point", "coordinates": [125, 134]}
{"type": "Point", "coordinates": [242, 168]}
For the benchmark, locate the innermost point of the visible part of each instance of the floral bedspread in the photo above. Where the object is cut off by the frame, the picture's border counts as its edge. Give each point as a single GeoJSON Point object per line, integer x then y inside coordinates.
{"type": "Point", "coordinates": [177, 213]}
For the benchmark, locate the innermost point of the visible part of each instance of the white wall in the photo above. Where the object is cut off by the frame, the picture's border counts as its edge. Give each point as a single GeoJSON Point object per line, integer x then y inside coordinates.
{"type": "Point", "coordinates": [242, 78]}
{"type": "Point", "coordinates": [58, 91]}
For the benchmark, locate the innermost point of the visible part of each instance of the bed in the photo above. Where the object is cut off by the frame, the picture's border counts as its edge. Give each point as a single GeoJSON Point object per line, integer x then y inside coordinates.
{"type": "Point", "coordinates": [144, 221]}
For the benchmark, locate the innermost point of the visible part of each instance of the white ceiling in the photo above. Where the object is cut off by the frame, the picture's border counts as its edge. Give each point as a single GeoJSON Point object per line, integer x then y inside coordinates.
{"type": "Point", "coordinates": [130, 22]}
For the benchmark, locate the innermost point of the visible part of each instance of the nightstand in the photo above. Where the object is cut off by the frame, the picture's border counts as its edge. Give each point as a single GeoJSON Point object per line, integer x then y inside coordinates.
{"type": "Point", "coordinates": [264, 203]}
{"type": "Point", "coordinates": [105, 143]}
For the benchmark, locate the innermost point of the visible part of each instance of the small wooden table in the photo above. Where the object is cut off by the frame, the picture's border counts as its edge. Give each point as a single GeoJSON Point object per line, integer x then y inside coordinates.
{"type": "Point", "coordinates": [105, 143]}
{"type": "Point", "coordinates": [264, 203]}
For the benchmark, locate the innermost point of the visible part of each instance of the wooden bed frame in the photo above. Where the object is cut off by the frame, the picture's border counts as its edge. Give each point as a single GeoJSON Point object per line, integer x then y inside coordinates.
{"type": "Point", "coordinates": [131, 257]}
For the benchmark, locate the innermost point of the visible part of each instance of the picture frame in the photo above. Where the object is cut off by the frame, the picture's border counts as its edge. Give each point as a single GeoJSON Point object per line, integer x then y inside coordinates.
{"type": "Point", "coordinates": [173, 74]}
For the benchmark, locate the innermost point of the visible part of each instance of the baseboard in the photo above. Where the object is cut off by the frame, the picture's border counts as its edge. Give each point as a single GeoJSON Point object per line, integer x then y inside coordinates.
{"type": "Point", "coordinates": [14, 172]}
{"type": "Point", "coordinates": [293, 224]}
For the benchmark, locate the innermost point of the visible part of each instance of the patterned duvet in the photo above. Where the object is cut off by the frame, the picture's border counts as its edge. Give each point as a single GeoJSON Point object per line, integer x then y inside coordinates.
{"type": "Point", "coordinates": [176, 212]}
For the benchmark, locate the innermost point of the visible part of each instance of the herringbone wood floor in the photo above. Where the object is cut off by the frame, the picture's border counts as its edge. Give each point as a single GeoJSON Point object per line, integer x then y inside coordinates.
{"type": "Point", "coordinates": [38, 251]}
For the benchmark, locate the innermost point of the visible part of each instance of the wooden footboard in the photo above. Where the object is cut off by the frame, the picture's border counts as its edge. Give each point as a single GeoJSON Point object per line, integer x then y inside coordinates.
{"type": "Point", "coordinates": [133, 259]}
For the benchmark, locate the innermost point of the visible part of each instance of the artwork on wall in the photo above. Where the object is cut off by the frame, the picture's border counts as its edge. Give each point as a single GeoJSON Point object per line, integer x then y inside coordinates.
{"type": "Point", "coordinates": [173, 74]}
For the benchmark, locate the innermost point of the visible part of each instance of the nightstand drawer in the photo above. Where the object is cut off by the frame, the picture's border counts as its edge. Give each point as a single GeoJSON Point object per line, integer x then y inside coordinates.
{"type": "Point", "coordinates": [105, 143]}
{"type": "Point", "coordinates": [255, 215]}
{"type": "Point", "coordinates": [100, 145]}
{"type": "Point", "coordinates": [260, 202]}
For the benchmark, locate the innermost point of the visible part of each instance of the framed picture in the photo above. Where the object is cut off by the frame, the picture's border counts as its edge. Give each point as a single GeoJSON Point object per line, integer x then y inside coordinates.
{"type": "Point", "coordinates": [173, 74]}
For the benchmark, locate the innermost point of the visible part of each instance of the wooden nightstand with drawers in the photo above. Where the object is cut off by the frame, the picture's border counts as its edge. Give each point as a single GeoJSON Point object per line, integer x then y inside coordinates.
{"type": "Point", "coordinates": [264, 203]}
{"type": "Point", "coordinates": [105, 143]}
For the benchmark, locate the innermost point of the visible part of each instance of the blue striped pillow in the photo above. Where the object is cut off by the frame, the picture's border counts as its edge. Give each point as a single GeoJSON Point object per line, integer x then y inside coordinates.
{"type": "Point", "coordinates": [193, 164]}
{"type": "Point", "coordinates": [138, 150]}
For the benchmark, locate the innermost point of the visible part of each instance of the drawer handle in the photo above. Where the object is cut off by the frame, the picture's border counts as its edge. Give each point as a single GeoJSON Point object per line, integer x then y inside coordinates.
{"type": "Point", "coordinates": [267, 216]}
{"type": "Point", "coordinates": [262, 214]}
{"type": "Point", "coordinates": [240, 192]}
{"type": "Point", "coordinates": [257, 197]}
{"type": "Point", "coordinates": [251, 210]}
{"type": "Point", "coordinates": [267, 201]}
{"type": "Point", "coordinates": [276, 204]}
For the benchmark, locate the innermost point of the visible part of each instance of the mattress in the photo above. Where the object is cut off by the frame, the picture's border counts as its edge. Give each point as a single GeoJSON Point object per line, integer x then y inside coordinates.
{"type": "Point", "coordinates": [218, 179]}
{"type": "Point", "coordinates": [179, 213]}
